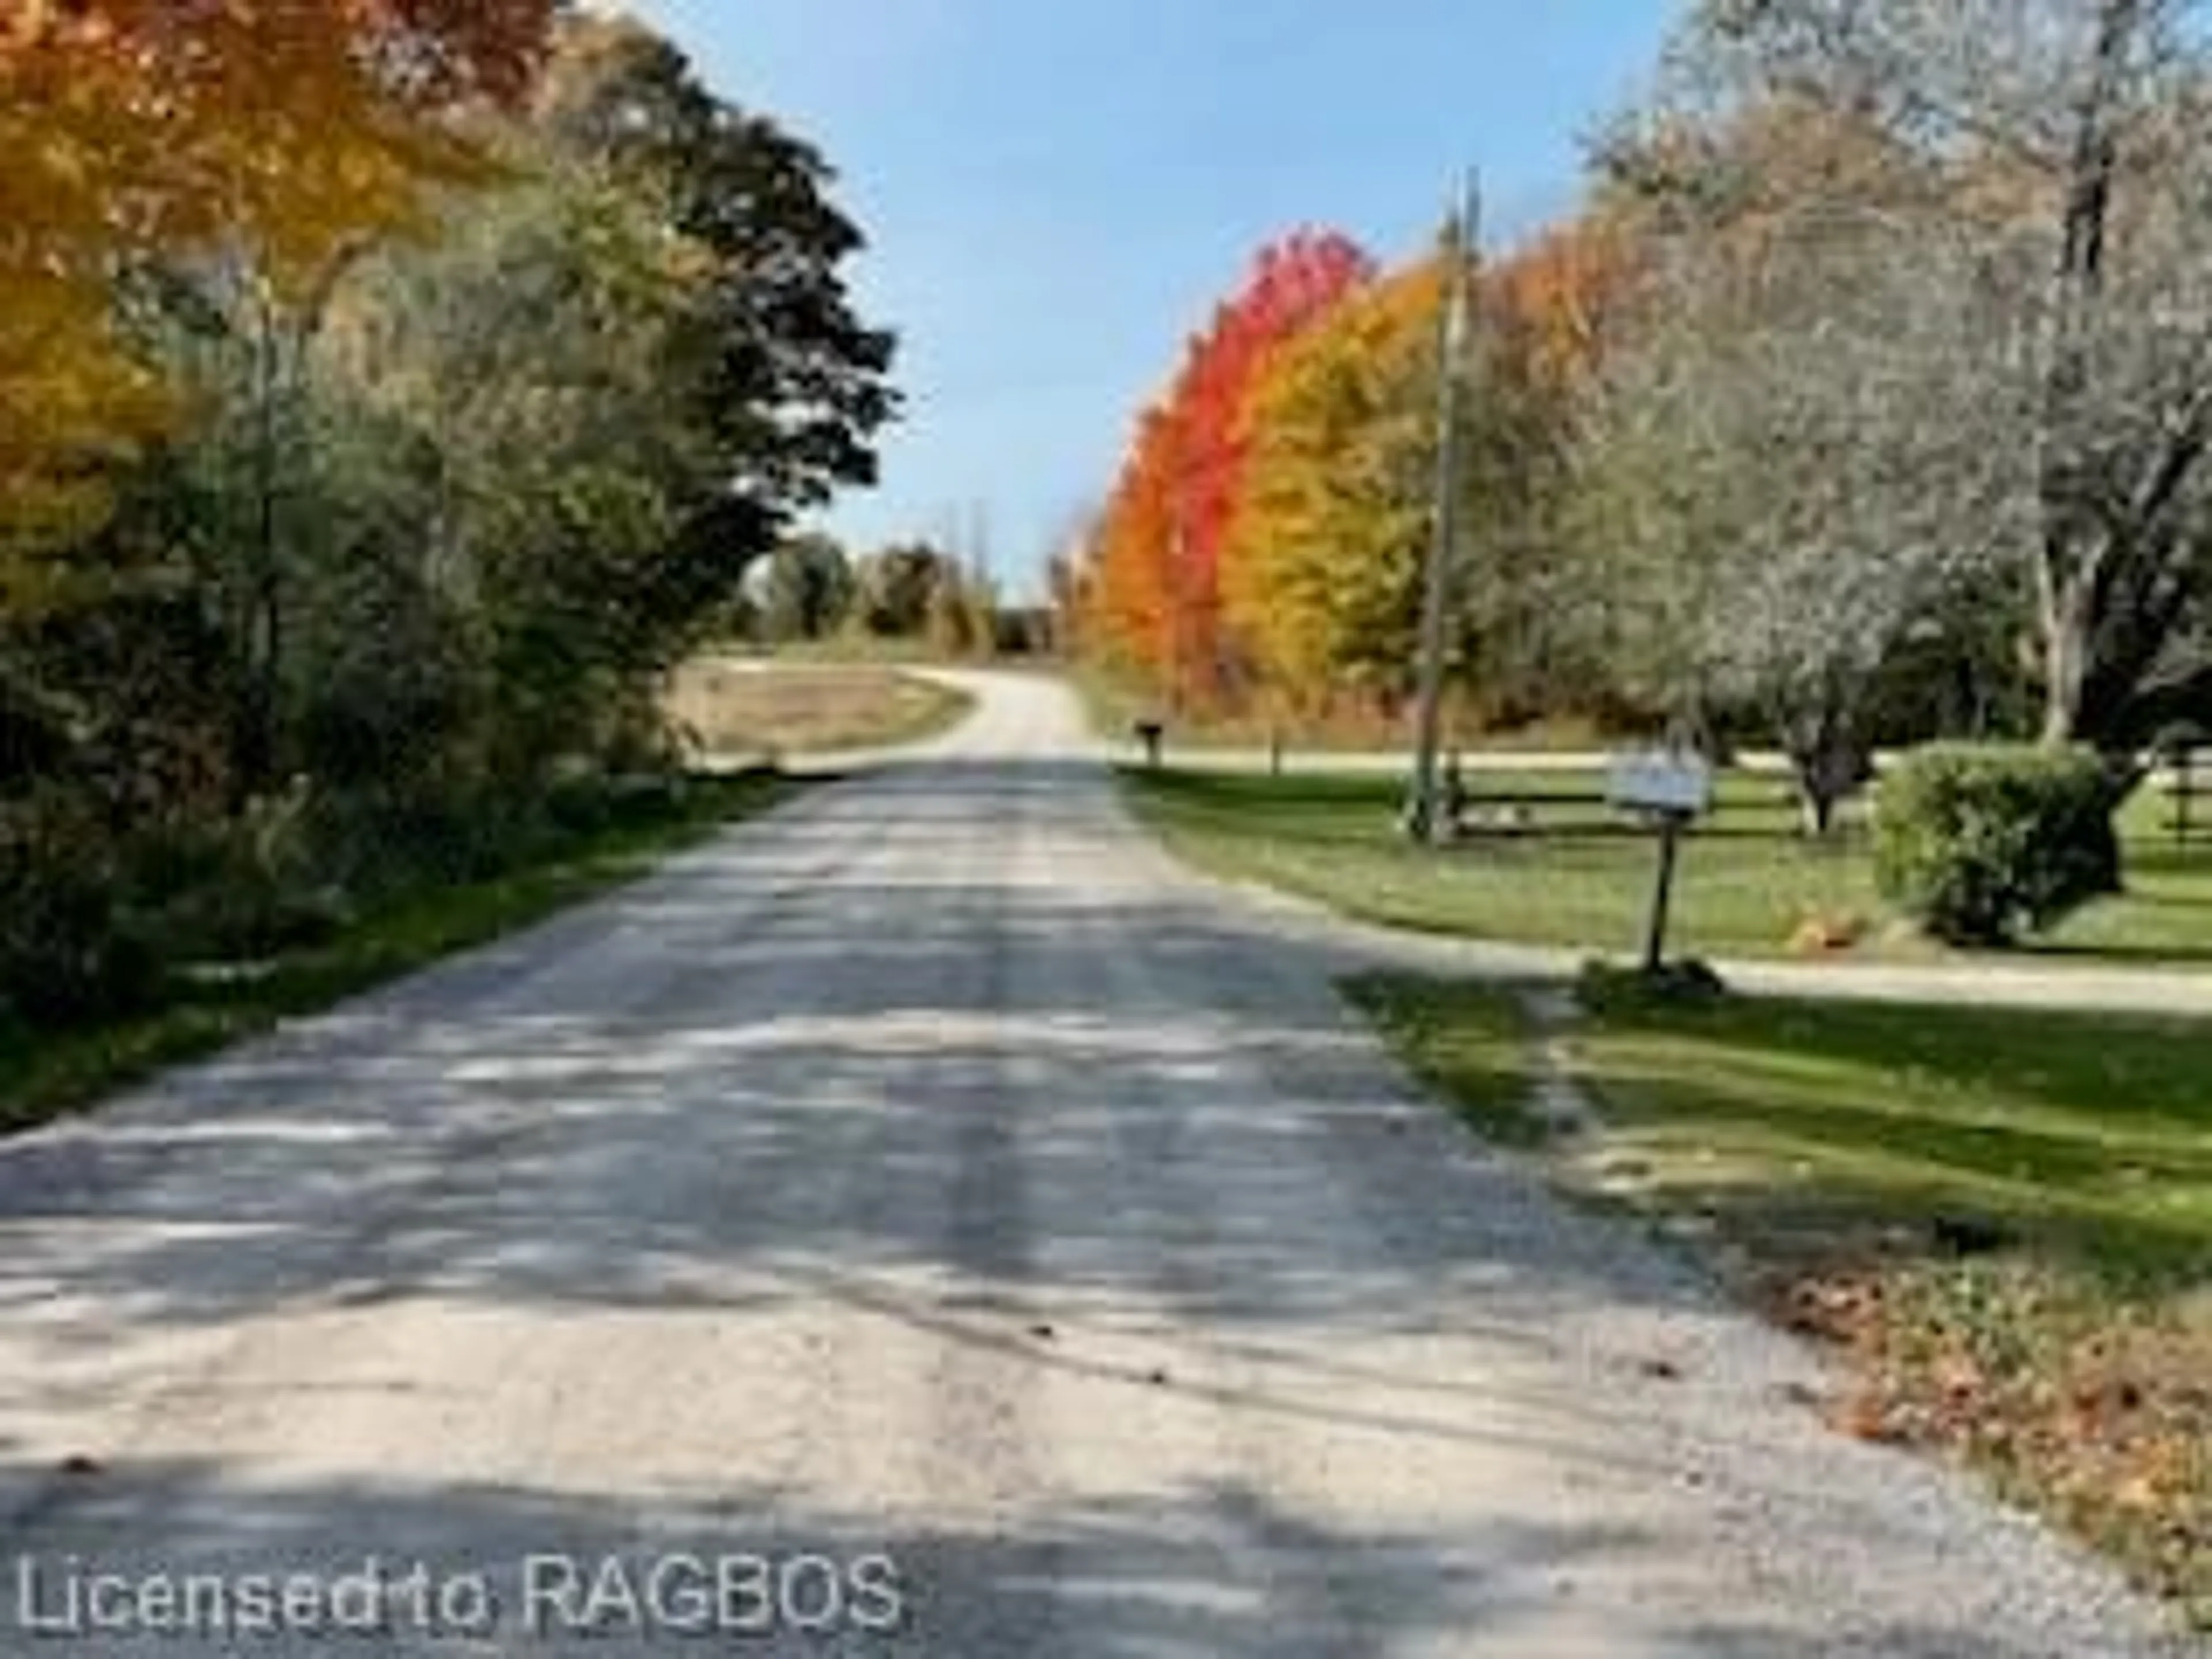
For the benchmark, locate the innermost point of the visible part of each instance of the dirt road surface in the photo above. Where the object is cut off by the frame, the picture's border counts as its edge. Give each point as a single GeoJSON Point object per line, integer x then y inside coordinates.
{"type": "Point", "coordinates": [930, 1195]}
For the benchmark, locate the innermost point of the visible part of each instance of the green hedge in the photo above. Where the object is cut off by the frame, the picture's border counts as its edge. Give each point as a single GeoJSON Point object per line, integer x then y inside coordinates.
{"type": "Point", "coordinates": [1976, 843]}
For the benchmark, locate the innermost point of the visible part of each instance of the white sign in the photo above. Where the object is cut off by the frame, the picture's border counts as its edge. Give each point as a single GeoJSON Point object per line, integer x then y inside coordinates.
{"type": "Point", "coordinates": [1662, 781]}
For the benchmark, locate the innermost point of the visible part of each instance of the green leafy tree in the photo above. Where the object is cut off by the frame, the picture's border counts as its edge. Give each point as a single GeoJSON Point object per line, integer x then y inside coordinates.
{"type": "Point", "coordinates": [784, 383]}
{"type": "Point", "coordinates": [808, 591]}
{"type": "Point", "coordinates": [896, 585]}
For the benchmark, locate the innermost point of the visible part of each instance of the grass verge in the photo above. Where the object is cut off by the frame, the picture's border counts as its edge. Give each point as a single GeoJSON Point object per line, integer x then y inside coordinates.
{"type": "Point", "coordinates": [44, 1074]}
{"type": "Point", "coordinates": [1580, 877]}
{"type": "Point", "coordinates": [2002, 1219]}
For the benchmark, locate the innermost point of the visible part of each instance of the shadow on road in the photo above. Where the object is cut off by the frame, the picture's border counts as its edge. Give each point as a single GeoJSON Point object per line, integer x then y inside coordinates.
{"type": "Point", "coordinates": [951, 1051]}
{"type": "Point", "coordinates": [1146, 1580]}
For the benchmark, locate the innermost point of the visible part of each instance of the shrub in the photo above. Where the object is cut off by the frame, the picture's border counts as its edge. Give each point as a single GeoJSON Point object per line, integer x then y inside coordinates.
{"type": "Point", "coordinates": [253, 887]}
{"type": "Point", "coordinates": [68, 952]}
{"type": "Point", "coordinates": [1975, 843]}
{"type": "Point", "coordinates": [445, 839]}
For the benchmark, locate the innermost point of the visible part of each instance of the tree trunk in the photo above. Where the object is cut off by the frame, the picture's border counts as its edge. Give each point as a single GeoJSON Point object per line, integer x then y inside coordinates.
{"type": "Point", "coordinates": [1831, 761]}
{"type": "Point", "coordinates": [2066, 630]}
{"type": "Point", "coordinates": [1818, 809]}
{"type": "Point", "coordinates": [254, 741]}
{"type": "Point", "coordinates": [2073, 548]}
{"type": "Point", "coordinates": [2105, 632]}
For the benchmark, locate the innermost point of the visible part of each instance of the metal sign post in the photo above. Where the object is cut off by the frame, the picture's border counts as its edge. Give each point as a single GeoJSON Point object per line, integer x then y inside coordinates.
{"type": "Point", "coordinates": [1675, 789]}
{"type": "Point", "coordinates": [1671, 825]}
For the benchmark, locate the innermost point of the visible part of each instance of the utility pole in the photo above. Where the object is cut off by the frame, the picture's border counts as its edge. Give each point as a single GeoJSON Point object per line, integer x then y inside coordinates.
{"type": "Point", "coordinates": [1462, 240]}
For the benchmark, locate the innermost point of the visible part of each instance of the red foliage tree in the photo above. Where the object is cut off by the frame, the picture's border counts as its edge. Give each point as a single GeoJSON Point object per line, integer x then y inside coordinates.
{"type": "Point", "coordinates": [1160, 545]}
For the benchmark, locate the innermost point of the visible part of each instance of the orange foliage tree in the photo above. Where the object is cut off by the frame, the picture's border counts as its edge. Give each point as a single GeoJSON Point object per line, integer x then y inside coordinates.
{"type": "Point", "coordinates": [1132, 589]}
{"type": "Point", "coordinates": [273, 131]}
{"type": "Point", "coordinates": [1552, 310]}
{"type": "Point", "coordinates": [1263, 542]}
{"type": "Point", "coordinates": [1337, 493]}
{"type": "Point", "coordinates": [1562, 296]}
{"type": "Point", "coordinates": [1158, 582]}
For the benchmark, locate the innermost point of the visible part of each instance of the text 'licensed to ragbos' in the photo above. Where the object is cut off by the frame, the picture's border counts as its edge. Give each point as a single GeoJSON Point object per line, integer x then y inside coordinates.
{"type": "Point", "coordinates": [679, 1593]}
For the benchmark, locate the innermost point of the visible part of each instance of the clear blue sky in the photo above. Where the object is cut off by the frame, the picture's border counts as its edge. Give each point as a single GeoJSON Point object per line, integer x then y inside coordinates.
{"type": "Point", "coordinates": [1058, 191]}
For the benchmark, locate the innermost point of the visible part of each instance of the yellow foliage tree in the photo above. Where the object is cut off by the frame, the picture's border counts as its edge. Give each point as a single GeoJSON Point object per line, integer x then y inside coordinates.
{"type": "Point", "coordinates": [1321, 568]}
{"type": "Point", "coordinates": [271, 132]}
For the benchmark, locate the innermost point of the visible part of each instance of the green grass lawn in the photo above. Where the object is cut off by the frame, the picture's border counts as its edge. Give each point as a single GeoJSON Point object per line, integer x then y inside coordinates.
{"type": "Point", "coordinates": [2006, 1218]}
{"type": "Point", "coordinates": [1748, 881]}
{"type": "Point", "coordinates": [45, 1074]}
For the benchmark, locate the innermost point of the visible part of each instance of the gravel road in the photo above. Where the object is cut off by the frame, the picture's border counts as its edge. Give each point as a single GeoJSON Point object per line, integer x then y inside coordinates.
{"type": "Point", "coordinates": [931, 1179]}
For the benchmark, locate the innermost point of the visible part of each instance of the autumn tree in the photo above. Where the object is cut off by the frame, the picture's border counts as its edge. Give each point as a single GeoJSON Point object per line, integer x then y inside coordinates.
{"type": "Point", "coordinates": [138, 129]}
{"type": "Point", "coordinates": [1134, 604]}
{"type": "Point", "coordinates": [1164, 540]}
{"type": "Point", "coordinates": [1550, 313]}
{"type": "Point", "coordinates": [1294, 283]}
{"type": "Point", "coordinates": [1336, 513]}
{"type": "Point", "coordinates": [1325, 549]}
{"type": "Point", "coordinates": [406, 432]}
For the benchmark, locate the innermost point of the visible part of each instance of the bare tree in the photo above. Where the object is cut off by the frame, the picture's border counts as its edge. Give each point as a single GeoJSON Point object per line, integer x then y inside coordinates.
{"type": "Point", "coordinates": [2067, 145]}
{"type": "Point", "coordinates": [1789, 467]}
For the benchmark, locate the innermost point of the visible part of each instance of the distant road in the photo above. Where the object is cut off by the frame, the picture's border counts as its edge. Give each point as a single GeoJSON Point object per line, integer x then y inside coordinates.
{"type": "Point", "coordinates": [931, 1172]}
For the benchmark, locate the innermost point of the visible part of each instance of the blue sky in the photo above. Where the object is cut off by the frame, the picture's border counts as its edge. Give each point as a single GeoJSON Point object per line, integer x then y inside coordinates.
{"type": "Point", "coordinates": [1058, 191]}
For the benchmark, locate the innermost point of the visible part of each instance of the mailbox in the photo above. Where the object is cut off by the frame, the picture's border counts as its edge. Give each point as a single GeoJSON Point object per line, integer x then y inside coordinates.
{"type": "Point", "coordinates": [1673, 787]}
{"type": "Point", "coordinates": [1677, 785]}
{"type": "Point", "coordinates": [1149, 733]}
